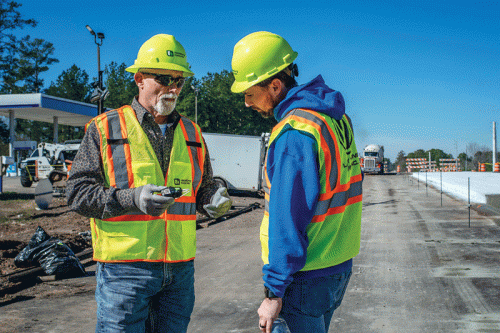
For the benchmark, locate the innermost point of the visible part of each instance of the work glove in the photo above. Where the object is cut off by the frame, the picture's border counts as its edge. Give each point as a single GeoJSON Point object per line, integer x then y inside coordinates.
{"type": "Point", "coordinates": [150, 203]}
{"type": "Point", "coordinates": [219, 204]}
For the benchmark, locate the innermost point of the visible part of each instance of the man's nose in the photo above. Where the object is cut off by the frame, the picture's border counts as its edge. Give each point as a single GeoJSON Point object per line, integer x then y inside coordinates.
{"type": "Point", "coordinates": [174, 89]}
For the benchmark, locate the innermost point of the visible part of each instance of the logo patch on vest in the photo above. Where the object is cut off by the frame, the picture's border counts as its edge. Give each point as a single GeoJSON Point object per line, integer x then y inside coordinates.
{"type": "Point", "coordinates": [345, 138]}
{"type": "Point", "coordinates": [352, 160]}
{"type": "Point", "coordinates": [178, 181]}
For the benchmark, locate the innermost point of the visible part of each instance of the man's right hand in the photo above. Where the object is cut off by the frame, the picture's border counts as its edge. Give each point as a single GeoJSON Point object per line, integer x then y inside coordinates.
{"type": "Point", "coordinates": [150, 203]}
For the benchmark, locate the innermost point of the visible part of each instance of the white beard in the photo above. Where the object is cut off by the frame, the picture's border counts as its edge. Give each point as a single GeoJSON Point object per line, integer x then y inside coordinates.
{"type": "Point", "coordinates": [165, 107]}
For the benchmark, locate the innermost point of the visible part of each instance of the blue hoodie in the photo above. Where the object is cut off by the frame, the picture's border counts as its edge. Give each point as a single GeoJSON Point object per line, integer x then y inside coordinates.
{"type": "Point", "coordinates": [292, 167]}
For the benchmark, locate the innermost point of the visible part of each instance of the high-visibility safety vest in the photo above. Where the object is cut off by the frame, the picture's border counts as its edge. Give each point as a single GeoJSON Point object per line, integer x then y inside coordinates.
{"type": "Point", "coordinates": [129, 161]}
{"type": "Point", "coordinates": [335, 230]}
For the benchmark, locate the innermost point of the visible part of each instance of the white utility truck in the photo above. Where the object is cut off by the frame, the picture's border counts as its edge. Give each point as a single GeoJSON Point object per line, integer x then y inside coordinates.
{"type": "Point", "coordinates": [373, 159]}
{"type": "Point", "coordinates": [49, 160]}
{"type": "Point", "coordinates": [237, 160]}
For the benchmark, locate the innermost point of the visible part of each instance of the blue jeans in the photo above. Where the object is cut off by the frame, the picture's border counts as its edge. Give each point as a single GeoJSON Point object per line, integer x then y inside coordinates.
{"type": "Point", "coordinates": [308, 305]}
{"type": "Point", "coordinates": [133, 297]}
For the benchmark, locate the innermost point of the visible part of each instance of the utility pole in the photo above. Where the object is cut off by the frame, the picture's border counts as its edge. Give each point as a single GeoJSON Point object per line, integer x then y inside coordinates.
{"type": "Point", "coordinates": [195, 104]}
{"type": "Point", "coordinates": [100, 93]}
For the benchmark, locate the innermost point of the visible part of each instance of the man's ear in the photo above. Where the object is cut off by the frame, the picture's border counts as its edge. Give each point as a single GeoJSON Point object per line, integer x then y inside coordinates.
{"type": "Point", "coordinates": [138, 78]}
{"type": "Point", "coordinates": [276, 87]}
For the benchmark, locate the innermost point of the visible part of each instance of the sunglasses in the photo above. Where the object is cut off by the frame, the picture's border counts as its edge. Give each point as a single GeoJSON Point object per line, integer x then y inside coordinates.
{"type": "Point", "coordinates": [167, 80]}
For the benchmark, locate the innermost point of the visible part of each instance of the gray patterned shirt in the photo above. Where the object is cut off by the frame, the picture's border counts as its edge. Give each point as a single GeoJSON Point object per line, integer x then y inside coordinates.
{"type": "Point", "coordinates": [85, 191]}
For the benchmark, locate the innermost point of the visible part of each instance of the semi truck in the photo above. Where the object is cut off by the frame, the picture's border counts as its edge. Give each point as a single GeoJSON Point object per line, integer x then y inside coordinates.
{"type": "Point", "coordinates": [373, 159]}
{"type": "Point", "coordinates": [237, 160]}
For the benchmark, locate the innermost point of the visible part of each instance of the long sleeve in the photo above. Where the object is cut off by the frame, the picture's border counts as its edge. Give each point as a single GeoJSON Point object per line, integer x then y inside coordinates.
{"type": "Point", "coordinates": [293, 172]}
{"type": "Point", "coordinates": [208, 186]}
{"type": "Point", "coordinates": [86, 193]}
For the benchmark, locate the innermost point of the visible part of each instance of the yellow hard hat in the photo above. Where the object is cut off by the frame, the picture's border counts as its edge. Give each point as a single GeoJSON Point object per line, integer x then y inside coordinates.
{"type": "Point", "coordinates": [162, 51]}
{"type": "Point", "coordinates": [259, 56]}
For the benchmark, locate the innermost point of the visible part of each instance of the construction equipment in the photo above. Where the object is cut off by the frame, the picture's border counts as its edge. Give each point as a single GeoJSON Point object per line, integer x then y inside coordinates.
{"type": "Point", "coordinates": [49, 161]}
{"type": "Point", "coordinates": [373, 159]}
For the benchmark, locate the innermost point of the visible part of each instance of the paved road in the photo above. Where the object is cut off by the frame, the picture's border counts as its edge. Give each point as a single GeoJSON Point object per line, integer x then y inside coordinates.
{"type": "Point", "coordinates": [421, 269]}
{"type": "Point", "coordinates": [13, 184]}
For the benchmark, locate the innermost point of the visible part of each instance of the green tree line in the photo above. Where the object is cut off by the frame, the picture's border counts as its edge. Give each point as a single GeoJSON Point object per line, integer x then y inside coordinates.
{"type": "Point", "coordinates": [24, 60]}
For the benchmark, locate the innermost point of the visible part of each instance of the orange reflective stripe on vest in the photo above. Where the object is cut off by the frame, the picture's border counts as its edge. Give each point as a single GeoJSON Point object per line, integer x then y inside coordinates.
{"type": "Point", "coordinates": [129, 161]}
{"type": "Point", "coordinates": [334, 231]}
{"type": "Point", "coordinates": [118, 153]}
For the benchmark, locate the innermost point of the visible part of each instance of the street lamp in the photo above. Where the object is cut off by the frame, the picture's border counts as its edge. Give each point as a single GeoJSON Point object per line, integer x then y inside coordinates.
{"type": "Point", "coordinates": [195, 104]}
{"type": "Point", "coordinates": [99, 93]}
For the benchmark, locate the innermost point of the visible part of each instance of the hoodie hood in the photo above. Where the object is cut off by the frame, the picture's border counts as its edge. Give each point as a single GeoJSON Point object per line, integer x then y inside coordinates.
{"type": "Point", "coordinates": [316, 96]}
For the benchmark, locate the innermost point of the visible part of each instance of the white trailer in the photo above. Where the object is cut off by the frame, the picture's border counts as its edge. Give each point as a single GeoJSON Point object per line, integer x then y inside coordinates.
{"type": "Point", "coordinates": [237, 160]}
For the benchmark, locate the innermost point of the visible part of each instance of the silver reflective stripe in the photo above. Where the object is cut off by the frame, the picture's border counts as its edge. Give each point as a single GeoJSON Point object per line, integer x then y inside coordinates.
{"type": "Point", "coordinates": [117, 150]}
{"type": "Point", "coordinates": [182, 208]}
{"type": "Point", "coordinates": [339, 199]}
{"type": "Point", "coordinates": [325, 133]}
{"type": "Point", "coordinates": [266, 190]}
{"type": "Point", "coordinates": [191, 133]}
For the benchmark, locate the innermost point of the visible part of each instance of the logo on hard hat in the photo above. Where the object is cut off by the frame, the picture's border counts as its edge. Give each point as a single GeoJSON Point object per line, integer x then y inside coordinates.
{"type": "Point", "coordinates": [171, 53]}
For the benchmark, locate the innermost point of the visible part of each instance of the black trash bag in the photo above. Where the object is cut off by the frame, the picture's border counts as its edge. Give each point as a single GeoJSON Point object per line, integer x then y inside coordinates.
{"type": "Point", "coordinates": [25, 257]}
{"type": "Point", "coordinates": [55, 257]}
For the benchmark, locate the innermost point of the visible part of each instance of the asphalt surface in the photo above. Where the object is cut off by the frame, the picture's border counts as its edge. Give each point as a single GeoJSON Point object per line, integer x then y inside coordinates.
{"type": "Point", "coordinates": [13, 184]}
{"type": "Point", "coordinates": [421, 268]}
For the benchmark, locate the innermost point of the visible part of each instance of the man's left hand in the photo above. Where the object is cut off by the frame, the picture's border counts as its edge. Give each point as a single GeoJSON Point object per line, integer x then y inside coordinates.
{"type": "Point", "coordinates": [268, 312]}
{"type": "Point", "coordinates": [219, 204]}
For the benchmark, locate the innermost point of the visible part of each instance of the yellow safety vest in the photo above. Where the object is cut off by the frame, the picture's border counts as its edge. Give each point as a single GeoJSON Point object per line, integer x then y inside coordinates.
{"type": "Point", "coordinates": [129, 161]}
{"type": "Point", "coordinates": [335, 230]}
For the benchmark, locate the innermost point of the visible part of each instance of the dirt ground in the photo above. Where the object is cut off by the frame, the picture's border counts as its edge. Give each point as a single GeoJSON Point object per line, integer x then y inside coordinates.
{"type": "Point", "coordinates": [19, 220]}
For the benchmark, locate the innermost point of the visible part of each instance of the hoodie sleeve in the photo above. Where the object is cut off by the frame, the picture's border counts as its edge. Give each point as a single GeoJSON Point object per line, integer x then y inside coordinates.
{"type": "Point", "coordinates": [293, 172]}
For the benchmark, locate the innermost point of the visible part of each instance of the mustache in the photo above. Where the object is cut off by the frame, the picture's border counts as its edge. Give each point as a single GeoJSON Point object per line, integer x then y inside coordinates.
{"type": "Point", "coordinates": [169, 96]}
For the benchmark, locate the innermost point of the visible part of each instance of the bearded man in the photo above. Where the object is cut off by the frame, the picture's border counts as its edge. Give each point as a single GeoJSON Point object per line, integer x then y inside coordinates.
{"type": "Point", "coordinates": [144, 242]}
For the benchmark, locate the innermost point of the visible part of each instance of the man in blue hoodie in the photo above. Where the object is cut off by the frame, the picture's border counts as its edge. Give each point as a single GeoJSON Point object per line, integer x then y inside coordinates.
{"type": "Point", "coordinates": [313, 187]}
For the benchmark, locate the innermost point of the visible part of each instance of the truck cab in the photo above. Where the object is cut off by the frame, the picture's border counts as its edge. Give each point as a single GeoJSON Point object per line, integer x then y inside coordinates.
{"type": "Point", "coordinates": [373, 159]}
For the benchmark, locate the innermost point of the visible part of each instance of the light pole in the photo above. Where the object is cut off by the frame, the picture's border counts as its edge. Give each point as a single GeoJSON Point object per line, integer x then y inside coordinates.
{"type": "Point", "coordinates": [195, 104]}
{"type": "Point", "coordinates": [99, 94]}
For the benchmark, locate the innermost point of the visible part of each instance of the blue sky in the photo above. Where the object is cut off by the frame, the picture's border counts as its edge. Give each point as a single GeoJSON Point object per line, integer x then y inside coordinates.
{"type": "Point", "coordinates": [421, 74]}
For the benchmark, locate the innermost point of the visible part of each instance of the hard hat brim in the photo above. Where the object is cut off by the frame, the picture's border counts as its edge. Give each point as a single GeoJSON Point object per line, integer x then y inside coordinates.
{"type": "Point", "coordinates": [174, 67]}
{"type": "Point", "coordinates": [241, 86]}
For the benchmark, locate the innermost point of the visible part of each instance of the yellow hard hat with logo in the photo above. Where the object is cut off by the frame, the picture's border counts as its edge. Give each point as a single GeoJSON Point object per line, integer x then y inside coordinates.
{"type": "Point", "coordinates": [259, 56]}
{"type": "Point", "coordinates": [162, 51]}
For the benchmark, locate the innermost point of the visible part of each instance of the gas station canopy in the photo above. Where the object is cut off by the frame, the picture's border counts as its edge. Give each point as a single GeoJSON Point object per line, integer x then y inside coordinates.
{"type": "Point", "coordinates": [46, 108]}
